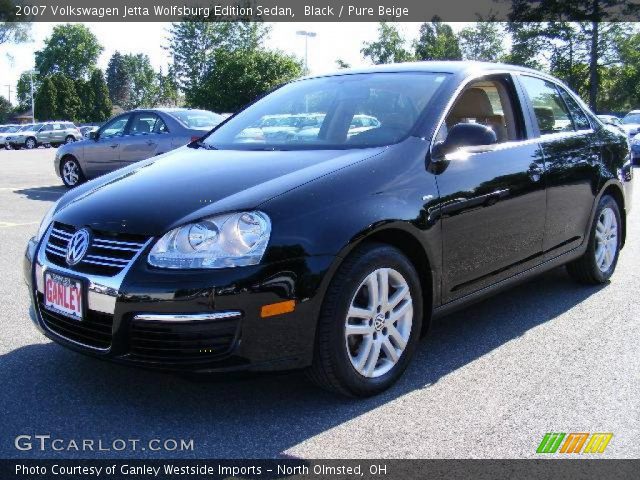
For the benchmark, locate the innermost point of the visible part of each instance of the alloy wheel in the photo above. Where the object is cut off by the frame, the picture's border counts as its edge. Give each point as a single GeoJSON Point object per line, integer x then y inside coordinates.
{"type": "Point", "coordinates": [31, 143]}
{"type": "Point", "coordinates": [378, 323]}
{"type": "Point", "coordinates": [606, 239]}
{"type": "Point", "coordinates": [70, 173]}
{"type": "Point", "coordinates": [70, 140]}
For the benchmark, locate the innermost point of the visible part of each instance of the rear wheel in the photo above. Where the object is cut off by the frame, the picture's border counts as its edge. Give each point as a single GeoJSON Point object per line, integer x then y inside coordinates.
{"type": "Point", "coordinates": [71, 172]}
{"type": "Point", "coordinates": [599, 261]}
{"type": "Point", "coordinates": [30, 143]}
{"type": "Point", "coordinates": [369, 324]}
{"type": "Point", "coordinates": [69, 139]}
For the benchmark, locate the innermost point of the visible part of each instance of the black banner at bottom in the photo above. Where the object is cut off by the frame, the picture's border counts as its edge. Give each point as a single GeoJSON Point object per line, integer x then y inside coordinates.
{"type": "Point", "coordinates": [318, 469]}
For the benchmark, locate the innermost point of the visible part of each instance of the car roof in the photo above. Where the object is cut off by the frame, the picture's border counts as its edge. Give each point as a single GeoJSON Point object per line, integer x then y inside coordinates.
{"type": "Point", "coordinates": [633, 112]}
{"type": "Point", "coordinates": [460, 67]}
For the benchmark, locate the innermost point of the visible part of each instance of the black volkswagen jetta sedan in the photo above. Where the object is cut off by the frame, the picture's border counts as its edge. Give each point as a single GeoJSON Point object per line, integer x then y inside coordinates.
{"type": "Point", "coordinates": [398, 194]}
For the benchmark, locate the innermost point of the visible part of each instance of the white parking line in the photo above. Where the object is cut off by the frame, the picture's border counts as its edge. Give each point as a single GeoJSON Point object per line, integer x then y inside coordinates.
{"type": "Point", "coordinates": [10, 224]}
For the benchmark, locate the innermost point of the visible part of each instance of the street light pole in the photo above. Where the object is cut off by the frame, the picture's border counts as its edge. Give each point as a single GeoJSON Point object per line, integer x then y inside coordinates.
{"type": "Point", "coordinates": [33, 109]}
{"type": "Point", "coordinates": [306, 34]}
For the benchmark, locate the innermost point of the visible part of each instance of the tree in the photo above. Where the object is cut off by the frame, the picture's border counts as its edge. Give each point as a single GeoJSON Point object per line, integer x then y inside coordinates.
{"type": "Point", "coordinates": [12, 30]}
{"type": "Point", "coordinates": [437, 41]}
{"type": "Point", "coordinates": [142, 81]}
{"type": "Point", "coordinates": [68, 103]}
{"type": "Point", "coordinates": [72, 49]}
{"type": "Point", "coordinates": [596, 27]}
{"type": "Point", "coordinates": [46, 106]}
{"type": "Point", "coordinates": [167, 89]}
{"type": "Point", "coordinates": [86, 97]}
{"type": "Point", "coordinates": [118, 80]}
{"type": "Point", "coordinates": [101, 106]}
{"type": "Point", "coordinates": [238, 77]}
{"type": "Point", "coordinates": [388, 48]}
{"type": "Point", "coordinates": [482, 42]}
{"type": "Point", "coordinates": [5, 110]}
{"type": "Point", "coordinates": [341, 64]}
{"type": "Point", "coordinates": [23, 90]}
{"type": "Point", "coordinates": [193, 44]}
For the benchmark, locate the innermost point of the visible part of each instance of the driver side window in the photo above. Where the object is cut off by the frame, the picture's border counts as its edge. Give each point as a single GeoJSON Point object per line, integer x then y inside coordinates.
{"type": "Point", "coordinates": [115, 127]}
{"type": "Point", "coordinates": [486, 102]}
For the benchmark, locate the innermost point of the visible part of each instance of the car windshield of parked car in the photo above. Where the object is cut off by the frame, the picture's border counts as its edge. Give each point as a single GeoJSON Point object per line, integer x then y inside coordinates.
{"type": "Point", "coordinates": [27, 127]}
{"type": "Point", "coordinates": [199, 119]}
{"type": "Point", "coordinates": [631, 118]}
{"type": "Point", "coordinates": [344, 111]}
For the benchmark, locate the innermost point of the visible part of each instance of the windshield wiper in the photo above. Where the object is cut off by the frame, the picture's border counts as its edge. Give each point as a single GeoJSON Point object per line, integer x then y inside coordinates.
{"type": "Point", "coordinates": [201, 144]}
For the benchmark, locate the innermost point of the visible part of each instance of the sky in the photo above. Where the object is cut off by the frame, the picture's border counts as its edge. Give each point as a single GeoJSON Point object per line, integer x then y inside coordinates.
{"type": "Point", "coordinates": [333, 41]}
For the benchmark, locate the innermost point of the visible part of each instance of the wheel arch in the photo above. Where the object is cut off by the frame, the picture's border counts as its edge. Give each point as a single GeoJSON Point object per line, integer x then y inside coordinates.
{"type": "Point", "coordinates": [402, 238]}
{"type": "Point", "coordinates": [615, 191]}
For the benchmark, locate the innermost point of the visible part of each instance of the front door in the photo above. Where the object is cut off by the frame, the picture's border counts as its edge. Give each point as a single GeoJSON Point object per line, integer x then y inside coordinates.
{"type": "Point", "coordinates": [103, 155]}
{"type": "Point", "coordinates": [143, 138]}
{"type": "Point", "coordinates": [492, 202]}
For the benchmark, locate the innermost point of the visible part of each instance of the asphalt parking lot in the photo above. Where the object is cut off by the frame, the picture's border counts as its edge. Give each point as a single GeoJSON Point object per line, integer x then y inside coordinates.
{"type": "Point", "coordinates": [490, 381]}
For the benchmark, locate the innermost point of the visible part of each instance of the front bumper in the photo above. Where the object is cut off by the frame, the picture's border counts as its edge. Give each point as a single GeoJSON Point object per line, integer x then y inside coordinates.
{"type": "Point", "coordinates": [138, 317]}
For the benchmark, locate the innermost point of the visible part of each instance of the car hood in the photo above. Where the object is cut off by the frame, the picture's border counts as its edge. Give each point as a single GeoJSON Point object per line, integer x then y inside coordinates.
{"type": "Point", "coordinates": [153, 196]}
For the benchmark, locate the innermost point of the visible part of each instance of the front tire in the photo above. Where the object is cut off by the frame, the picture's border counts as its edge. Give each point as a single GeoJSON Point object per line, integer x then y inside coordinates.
{"type": "Point", "coordinates": [369, 324]}
{"type": "Point", "coordinates": [599, 261]}
{"type": "Point", "coordinates": [71, 172]}
{"type": "Point", "coordinates": [30, 143]}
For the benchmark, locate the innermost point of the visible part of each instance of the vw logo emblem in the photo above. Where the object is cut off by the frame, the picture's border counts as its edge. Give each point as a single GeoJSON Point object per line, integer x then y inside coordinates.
{"type": "Point", "coordinates": [78, 246]}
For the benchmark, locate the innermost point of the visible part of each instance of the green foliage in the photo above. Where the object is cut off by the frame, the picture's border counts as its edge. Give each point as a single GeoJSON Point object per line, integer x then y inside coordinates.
{"type": "Point", "coordinates": [101, 106]}
{"type": "Point", "coordinates": [482, 42]}
{"type": "Point", "coordinates": [237, 77]}
{"type": "Point", "coordinates": [118, 80]}
{"type": "Point", "coordinates": [341, 64]}
{"type": "Point", "coordinates": [142, 81]}
{"type": "Point", "coordinates": [68, 105]}
{"type": "Point", "coordinates": [437, 41]}
{"type": "Point", "coordinates": [23, 90]}
{"type": "Point", "coordinates": [388, 48]}
{"type": "Point", "coordinates": [5, 110]}
{"type": "Point", "coordinates": [193, 46]}
{"type": "Point", "coordinates": [46, 106]}
{"type": "Point", "coordinates": [167, 89]}
{"type": "Point", "coordinates": [72, 49]}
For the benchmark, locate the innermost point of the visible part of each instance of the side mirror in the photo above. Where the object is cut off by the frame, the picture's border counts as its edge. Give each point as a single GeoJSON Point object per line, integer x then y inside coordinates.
{"type": "Point", "coordinates": [94, 135]}
{"type": "Point", "coordinates": [465, 135]}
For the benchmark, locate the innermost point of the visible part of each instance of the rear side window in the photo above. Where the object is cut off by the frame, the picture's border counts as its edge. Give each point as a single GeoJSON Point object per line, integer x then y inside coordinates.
{"type": "Point", "coordinates": [580, 120]}
{"type": "Point", "coordinates": [550, 110]}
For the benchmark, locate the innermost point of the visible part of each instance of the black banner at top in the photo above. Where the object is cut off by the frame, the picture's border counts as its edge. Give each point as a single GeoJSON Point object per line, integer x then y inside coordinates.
{"type": "Point", "coordinates": [319, 10]}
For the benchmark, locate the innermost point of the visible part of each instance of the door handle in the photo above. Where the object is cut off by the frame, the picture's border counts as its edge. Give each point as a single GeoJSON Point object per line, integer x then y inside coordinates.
{"type": "Point", "coordinates": [114, 146]}
{"type": "Point", "coordinates": [149, 142]}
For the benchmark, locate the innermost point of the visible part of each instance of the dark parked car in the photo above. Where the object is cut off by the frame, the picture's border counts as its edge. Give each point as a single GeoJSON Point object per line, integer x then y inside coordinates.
{"type": "Point", "coordinates": [129, 138]}
{"type": "Point", "coordinates": [334, 254]}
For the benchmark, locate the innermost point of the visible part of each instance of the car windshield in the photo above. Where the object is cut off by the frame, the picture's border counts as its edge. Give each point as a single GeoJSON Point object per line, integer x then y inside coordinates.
{"type": "Point", "coordinates": [24, 128]}
{"type": "Point", "coordinates": [631, 118]}
{"type": "Point", "coordinates": [344, 111]}
{"type": "Point", "coordinates": [200, 119]}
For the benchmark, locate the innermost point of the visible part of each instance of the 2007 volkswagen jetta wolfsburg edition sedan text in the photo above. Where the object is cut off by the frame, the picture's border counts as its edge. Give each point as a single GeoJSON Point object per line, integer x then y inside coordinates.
{"type": "Point", "coordinates": [334, 253]}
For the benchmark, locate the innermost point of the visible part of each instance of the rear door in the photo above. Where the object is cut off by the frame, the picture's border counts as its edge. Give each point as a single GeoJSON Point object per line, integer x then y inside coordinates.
{"type": "Point", "coordinates": [572, 160]}
{"type": "Point", "coordinates": [492, 199]}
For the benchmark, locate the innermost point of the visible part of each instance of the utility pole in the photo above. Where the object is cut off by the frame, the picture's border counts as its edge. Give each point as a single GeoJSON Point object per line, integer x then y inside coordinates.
{"type": "Point", "coordinates": [306, 34]}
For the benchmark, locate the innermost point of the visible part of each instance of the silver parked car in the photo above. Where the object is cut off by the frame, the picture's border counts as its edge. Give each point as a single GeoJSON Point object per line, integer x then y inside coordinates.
{"type": "Point", "coordinates": [131, 137]}
{"type": "Point", "coordinates": [45, 133]}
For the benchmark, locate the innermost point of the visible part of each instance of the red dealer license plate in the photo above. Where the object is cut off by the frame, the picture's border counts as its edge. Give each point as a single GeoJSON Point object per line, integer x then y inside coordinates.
{"type": "Point", "coordinates": [63, 295]}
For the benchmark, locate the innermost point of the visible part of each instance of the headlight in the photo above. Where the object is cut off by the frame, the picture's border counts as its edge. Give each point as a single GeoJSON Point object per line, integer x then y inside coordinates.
{"type": "Point", "coordinates": [46, 221]}
{"type": "Point", "coordinates": [232, 240]}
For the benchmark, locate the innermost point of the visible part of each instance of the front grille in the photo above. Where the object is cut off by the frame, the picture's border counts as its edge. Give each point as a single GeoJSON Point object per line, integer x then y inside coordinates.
{"type": "Point", "coordinates": [182, 342]}
{"type": "Point", "coordinates": [108, 254]}
{"type": "Point", "coordinates": [94, 330]}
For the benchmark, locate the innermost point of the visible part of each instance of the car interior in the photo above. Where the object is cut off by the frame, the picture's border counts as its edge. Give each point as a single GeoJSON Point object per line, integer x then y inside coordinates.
{"type": "Point", "coordinates": [485, 102]}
